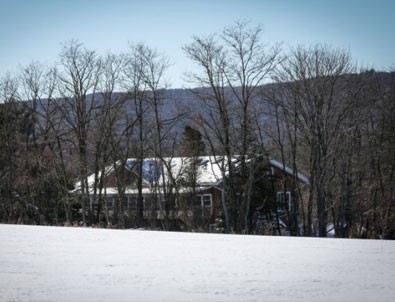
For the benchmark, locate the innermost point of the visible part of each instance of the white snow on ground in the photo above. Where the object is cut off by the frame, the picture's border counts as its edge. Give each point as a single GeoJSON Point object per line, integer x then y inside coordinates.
{"type": "Point", "coordinates": [83, 264]}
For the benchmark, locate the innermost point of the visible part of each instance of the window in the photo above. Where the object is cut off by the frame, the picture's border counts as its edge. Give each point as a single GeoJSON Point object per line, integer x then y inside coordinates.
{"type": "Point", "coordinates": [284, 204]}
{"type": "Point", "coordinates": [132, 203]}
{"type": "Point", "coordinates": [206, 202]}
{"type": "Point", "coordinates": [111, 202]}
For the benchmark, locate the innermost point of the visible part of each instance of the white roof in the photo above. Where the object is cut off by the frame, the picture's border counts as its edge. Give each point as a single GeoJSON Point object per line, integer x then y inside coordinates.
{"type": "Point", "coordinates": [210, 172]}
{"type": "Point", "coordinates": [289, 171]}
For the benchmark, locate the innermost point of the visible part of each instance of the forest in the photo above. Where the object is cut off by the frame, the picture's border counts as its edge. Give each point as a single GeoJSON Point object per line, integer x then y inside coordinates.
{"type": "Point", "coordinates": [311, 107]}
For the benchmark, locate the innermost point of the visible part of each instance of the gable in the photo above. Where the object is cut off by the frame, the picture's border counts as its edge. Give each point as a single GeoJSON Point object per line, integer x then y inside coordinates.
{"type": "Point", "coordinates": [124, 175]}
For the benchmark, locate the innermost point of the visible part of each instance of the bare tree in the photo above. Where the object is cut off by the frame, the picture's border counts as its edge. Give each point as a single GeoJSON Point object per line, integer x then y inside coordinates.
{"type": "Point", "coordinates": [376, 161]}
{"type": "Point", "coordinates": [38, 157]}
{"type": "Point", "coordinates": [8, 148]}
{"type": "Point", "coordinates": [78, 81]}
{"type": "Point", "coordinates": [108, 125]}
{"type": "Point", "coordinates": [233, 64]}
{"type": "Point", "coordinates": [155, 67]}
{"type": "Point", "coordinates": [137, 94]}
{"type": "Point", "coordinates": [317, 102]}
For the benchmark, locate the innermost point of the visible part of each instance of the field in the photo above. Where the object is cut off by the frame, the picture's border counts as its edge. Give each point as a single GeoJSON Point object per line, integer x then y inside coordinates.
{"type": "Point", "coordinates": [83, 264]}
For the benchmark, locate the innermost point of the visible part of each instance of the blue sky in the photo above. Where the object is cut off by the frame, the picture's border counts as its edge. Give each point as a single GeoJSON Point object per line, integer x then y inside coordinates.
{"type": "Point", "coordinates": [35, 29]}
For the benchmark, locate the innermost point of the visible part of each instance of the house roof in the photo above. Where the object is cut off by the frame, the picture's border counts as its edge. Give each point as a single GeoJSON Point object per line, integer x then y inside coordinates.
{"type": "Point", "coordinates": [279, 165]}
{"type": "Point", "coordinates": [210, 171]}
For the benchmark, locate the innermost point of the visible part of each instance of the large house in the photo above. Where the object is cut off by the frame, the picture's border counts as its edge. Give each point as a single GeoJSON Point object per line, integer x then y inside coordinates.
{"type": "Point", "coordinates": [193, 191]}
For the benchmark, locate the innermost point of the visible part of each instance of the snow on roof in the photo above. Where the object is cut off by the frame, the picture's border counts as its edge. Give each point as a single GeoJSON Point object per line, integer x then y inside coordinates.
{"type": "Point", "coordinates": [289, 171]}
{"type": "Point", "coordinates": [210, 171]}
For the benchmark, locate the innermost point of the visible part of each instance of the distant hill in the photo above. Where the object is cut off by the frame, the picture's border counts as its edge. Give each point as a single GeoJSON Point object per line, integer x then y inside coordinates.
{"type": "Point", "coordinates": [188, 104]}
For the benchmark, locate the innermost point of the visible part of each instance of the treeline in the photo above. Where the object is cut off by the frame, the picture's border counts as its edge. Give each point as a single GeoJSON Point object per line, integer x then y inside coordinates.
{"type": "Point", "coordinates": [320, 115]}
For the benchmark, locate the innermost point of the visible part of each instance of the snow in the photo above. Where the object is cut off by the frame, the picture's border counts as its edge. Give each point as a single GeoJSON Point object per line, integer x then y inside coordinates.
{"type": "Point", "coordinates": [290, 171]}
{"type": "Point", "coordinates": [84, 264]}
{"type": "Point", "coordinates": [209, 173]}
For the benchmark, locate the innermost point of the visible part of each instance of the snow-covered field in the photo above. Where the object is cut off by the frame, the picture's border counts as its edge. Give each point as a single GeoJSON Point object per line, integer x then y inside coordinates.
{"type": "Point", "coordinates": [83, 264]}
